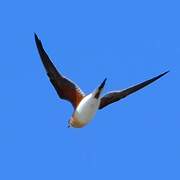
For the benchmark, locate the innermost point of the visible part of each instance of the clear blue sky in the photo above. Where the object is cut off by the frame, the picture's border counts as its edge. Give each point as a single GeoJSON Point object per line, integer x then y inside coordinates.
{"type": "Point", "coordinates": [125, 41]}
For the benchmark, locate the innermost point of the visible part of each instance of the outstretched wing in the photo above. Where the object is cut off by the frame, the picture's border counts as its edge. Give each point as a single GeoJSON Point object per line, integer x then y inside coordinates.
{"type": "Point", "coordinates": [64, 87]}
{"type": "Point", "coordinates": [114, 96]}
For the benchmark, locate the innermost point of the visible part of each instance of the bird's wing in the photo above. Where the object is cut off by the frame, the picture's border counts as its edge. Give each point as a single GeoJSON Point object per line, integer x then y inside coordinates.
{"type": "Point", "coordinates": [114, 96]}
{"type": "Point", "coordinates": [64, 87]}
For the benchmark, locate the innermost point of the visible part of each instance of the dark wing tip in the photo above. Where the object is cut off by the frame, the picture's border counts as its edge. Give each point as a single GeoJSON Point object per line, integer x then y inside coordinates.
{"type": "Point", "coordinates": [164, 73]}
{"type": "Point", "coordinates": [157, 77]}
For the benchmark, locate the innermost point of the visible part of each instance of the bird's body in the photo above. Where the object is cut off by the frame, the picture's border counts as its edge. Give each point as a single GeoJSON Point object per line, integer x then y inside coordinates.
{"type": "Point", "coordinates": [85, 111]}
{"type": "Point", "coordinates": [85, 106]}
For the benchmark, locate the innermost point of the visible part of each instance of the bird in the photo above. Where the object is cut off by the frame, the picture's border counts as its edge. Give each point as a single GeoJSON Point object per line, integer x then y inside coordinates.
{"type": "Point", "coordinates": [85, 106]}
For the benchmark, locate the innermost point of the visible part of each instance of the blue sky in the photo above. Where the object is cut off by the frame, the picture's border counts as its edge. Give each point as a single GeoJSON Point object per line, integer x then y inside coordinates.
{"type": "Point", "coordinates": [125, 41]}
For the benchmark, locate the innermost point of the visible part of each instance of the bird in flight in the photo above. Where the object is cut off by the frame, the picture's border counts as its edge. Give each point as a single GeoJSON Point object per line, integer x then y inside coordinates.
{"type": "Point", "coordinates": [85, 106]}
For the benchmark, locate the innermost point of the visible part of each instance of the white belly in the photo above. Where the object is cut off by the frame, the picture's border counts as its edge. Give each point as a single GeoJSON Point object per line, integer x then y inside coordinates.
{"type": "Point", "coordinates": [87, 109]}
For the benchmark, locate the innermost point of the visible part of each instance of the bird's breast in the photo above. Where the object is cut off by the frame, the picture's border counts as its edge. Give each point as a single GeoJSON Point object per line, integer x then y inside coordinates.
{"type": "Point", "coordinates": [85, 111]}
